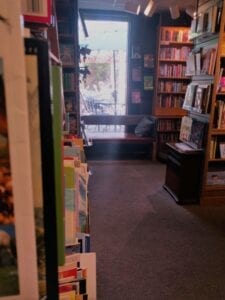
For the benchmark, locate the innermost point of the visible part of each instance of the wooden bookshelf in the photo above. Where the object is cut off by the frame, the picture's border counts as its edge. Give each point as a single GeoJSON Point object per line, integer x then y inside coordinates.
{"type": "Point", "coordinates": [171, 83]}
{"type": "Point", "coordinates": [67, 19]}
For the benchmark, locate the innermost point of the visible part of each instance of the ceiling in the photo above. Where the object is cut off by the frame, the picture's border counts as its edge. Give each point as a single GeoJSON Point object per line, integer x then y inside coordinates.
{"type": "Point", "coordinates": [119, 5]}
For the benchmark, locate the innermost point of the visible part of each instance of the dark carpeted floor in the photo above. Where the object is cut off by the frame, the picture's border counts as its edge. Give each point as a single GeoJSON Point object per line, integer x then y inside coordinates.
{"type": "Point", "coordinates": [148, 246]}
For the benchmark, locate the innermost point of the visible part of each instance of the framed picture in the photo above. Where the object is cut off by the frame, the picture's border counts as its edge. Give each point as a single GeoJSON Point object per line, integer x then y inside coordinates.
{"type": "Point", "coordinates": [37, 11]}
{"type": "Point", "coordinates": [18, 257]}
{"type": "Point", "coordinates": [42, 164]}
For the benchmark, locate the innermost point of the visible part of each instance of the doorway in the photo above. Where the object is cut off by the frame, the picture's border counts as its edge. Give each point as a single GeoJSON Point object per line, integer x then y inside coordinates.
{"type": "Point", "coordinates": [103, 82]}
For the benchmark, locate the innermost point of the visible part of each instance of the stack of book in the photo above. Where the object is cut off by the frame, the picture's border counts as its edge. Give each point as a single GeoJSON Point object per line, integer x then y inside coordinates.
{"type": "Point", "coordinates": [72, 279]}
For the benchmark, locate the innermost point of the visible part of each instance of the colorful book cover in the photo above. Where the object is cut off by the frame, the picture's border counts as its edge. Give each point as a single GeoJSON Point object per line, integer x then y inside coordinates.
{"type": "Point", "coordinates": [136, 96]}
{"type": "Point", "coordinates": [148, 60]}
{"type": "Point", "coordinates": [148, 83]}
{"type": "Point", "coordinates": [58, 159]}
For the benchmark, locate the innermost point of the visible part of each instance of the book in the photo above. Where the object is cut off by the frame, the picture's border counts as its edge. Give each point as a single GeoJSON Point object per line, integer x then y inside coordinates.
{"type": "Point", "coordinates": [189, 96]}
{"type": "Point", "coordinates": [185, 129]}
{"type": "Point", "coordinates": [148, 60]}
{"type": "Point", "coordinates": [148, 82]}
{"type": "Point", "coordinates": [136, 96]}
{"type": "Point", "coordinates": [136, 52]}
{"type": "Point", "coordinates": [208, 60]}
{"type": "Point", "coordinates": [136, 73]}
{"type": "Point", "coordinates": [222, 150]}
{"type": "Point", "coordinates": [216, 178]}
{"type": "Point", "coordinates": [56, 75]}
{"type": "Point", "coordinates": [198, 99]}
{"type": "Point", "coordinates": [190, 65]}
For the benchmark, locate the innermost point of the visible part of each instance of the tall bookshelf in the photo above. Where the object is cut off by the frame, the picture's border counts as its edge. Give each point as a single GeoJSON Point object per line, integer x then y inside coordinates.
{"type": "Point", "coordinates": [171, 83]}
{"type": "Point", "coordinates": [206, 37]}
{"type": "Point", "coordinates": [67, 18]}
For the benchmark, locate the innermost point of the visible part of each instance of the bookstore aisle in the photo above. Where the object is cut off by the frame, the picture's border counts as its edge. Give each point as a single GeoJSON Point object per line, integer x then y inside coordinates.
{"type": "Point", "coordinates": [148, 246]}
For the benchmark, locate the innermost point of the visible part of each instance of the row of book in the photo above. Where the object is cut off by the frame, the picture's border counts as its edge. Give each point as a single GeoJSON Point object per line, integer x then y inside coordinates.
{"type": "Point", "coordinates": [174, 53]}
{"type": "Point", "coordinates": [170, 101]}
{"type": "Point", "coordinates": [166, 138]}
{"type": "Point", "coordinates": [217, 148]}
{"type": "Point", "coordinates": [221, 82]}
{"type": "Point", "coordinates": [170, 86]}
{"type": "Point", "coordinates": [76, 181]}
{"type": "Point", "coordinates": [202, 62]}
{"type": "Point", "coordinates": [172, 70]}
{"type": "Point", "coordinates": [219, 115]}
{"type": "Point", "coordinates": [207, 22]}
{"type": "Point", "coordinates": [198, 97]}
{"type": "Point", "coordinates": [174, 35]}
{"type": "Point", "coordinates": [168, 125]}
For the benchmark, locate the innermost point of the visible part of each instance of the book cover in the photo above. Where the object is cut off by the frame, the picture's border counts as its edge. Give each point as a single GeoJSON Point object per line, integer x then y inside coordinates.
{"type": "Point", "coordinates": [216, 178]}
{"type": "Point", "coordinates": [185, 129]}
{"type": "Point", "coordinates": [136, 52]}
{"type": "Point", "coordinates": [189, 96]}
{"type": "Point", "coordinates": [136, 96]}
{"type": "Point", "coordinates": [222, 150]}
{"type": "Point", "coordinates": [190, 65]}
{"type": "Point", "coordinates": [136, 73]}
{"type": "Point", "coordinates": [148, 60]}
{"type": "Point", "coordinates": [148, 83]}
{"type": "Point", "coordinates": [198, 99]}
{"type": "Point", "coordinates": [58, 159]}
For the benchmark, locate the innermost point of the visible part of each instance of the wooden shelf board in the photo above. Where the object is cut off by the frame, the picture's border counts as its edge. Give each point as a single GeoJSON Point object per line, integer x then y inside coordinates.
{"type": "Point", "coordinates": [172, 60]}
{"type": "Point", "coordinates": [177, 78]}
{"type": "Point", "coordinates": [174, 93]}
{"type": "Point", "coordinates": [169, 43]}
{"type": "Point", "coordinates": [170, 112]}
{"type": "Point", "coordinates": [217, 131]}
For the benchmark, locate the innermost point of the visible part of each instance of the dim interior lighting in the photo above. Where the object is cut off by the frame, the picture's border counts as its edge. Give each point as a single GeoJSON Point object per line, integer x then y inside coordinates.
{"type": "Point", "coordinates": [132, 7]}
{"type": "Point", "coordinates": [150, 8]}
{"type": "Point", "coordinates": [174, 11]}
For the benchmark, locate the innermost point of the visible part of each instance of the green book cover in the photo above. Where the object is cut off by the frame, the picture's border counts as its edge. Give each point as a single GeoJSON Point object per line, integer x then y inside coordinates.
{"type": "Point", "coordinates": [58, 159]}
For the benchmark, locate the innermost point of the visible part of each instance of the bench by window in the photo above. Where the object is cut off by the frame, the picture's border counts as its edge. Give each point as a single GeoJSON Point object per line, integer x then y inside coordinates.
{"type": "Point", "coordinates": [128, 136]}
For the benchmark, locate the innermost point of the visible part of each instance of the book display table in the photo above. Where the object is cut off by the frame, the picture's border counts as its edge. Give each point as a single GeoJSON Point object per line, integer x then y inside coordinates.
{"type": "Point", "coordinates": [183, 174]}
